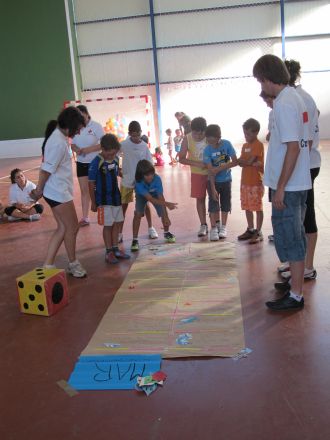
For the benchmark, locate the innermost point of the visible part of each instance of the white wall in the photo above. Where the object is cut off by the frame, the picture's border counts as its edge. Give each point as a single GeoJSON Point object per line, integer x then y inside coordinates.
{"type": "Point", "coordinates": [20, 148]}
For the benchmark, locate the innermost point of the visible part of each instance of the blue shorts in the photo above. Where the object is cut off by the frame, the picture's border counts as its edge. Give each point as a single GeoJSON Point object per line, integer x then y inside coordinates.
{"type": "Point", "coordinates": [288, 226]}
{"type": "Point", "coordinates": [224, 192]}
{"type": "Point", "coordinates": [140, 206]}
{"type": "Point", "coordinates": [177, 148]}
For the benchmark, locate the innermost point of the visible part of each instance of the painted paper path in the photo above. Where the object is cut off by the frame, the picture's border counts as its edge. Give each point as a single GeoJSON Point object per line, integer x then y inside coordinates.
{"type": "Point", "coordinates": [178, 300]}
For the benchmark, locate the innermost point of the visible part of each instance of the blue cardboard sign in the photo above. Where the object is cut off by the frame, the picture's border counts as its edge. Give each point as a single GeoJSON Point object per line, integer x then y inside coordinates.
{"type": "Point", "coordinates": [112, 372]}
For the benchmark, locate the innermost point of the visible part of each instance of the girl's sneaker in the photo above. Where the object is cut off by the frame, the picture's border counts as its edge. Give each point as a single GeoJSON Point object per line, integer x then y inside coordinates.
{"type": "Point", "coordinates": [309, 274]}
{"type": "Point", "coordinates": [76, 270]}
{"type": "Point", "coordinates": [111, 258]}
{"type": "Point", "coordinates": [214, 234]}
{"type": "Point", "coordinates": [285, 267]}
{"type": "Point", "coordinates": [223, 232]}
{"type": "Point", "coordinates": [203, 231]}
{"type": "Point", "coordinates": [135, 246]}
{"type": "Point", "coordinates": [169, 237]}
{"type": "Point", "coordinates": [152, 233]}
{"type": "Point", "coordinates": [121, 254]}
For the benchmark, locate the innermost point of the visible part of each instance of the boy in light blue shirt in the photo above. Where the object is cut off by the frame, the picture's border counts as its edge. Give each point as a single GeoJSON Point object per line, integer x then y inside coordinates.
{"type": "Point", "coordinates": [220, 157]}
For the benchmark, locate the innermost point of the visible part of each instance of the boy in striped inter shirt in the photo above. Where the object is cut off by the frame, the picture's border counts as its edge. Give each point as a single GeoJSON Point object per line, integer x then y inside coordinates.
{"type": "Point", "coordinates": [105, 196]}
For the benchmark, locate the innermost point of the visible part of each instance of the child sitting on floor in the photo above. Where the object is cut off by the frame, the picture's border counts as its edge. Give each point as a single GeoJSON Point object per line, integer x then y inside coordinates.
{"type": "Point", "coordinates": [22, 207]}
{"type": "Point", "coordinates": [158, 155]}
{"type": "Point", "coordinates": [149, 188]}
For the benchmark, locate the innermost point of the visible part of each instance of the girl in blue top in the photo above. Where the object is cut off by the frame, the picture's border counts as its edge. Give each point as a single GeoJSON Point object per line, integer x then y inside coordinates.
{"type": "Point", "coordinates": [149, 188]}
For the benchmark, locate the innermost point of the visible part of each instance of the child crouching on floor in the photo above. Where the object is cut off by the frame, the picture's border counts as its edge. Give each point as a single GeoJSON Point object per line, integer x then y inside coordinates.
{"type": "Point", "coordinates": [149, 188]}
{"type": "Point", "coordinates": [105, 196]}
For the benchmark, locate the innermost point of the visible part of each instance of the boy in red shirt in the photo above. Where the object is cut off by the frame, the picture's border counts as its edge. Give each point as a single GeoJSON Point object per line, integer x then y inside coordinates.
{"type": "Point", "coordinates": [252, 188]}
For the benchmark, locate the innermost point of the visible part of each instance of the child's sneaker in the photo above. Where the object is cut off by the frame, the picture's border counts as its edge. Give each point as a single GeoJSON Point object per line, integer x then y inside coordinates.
{"type": "Point", "coordinates": [135, 246]}
{"type": "Point", "coordinates": [169, 237]}
{"type": "Point", "coordinates": [76, 270]}
{"type": "Point", "coordinates": [256, 238]}
{"type": "Point", "coordinates": [34, 217]}
{"type": "Point", "coordinates": [203, 231]}
{"type": "Point", "coordinates": [223, 232]}
{"type": "Point", "coordinates": [13, 219]}
{"type": "Point", "coordinates": [285, 267]}
{"type": "Point", "coordinates": [247, 235]}
{"type": "Point", "coordinates": [110, 258]}
{"type": "Point", "coordinates": [121, 254]}
{"type": "Point", "coordinates": [214, 234]}
{"type": "Point", "coordinates": [152, 233]}
{"type": "Point", "coordinates": [84, 222]}
{"type": "Point", "coordinates": [308, 274]}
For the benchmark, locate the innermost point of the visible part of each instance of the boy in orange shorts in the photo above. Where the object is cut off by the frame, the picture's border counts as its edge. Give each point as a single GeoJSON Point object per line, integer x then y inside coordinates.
{"type": "Point", "coordinates": [252, 188]}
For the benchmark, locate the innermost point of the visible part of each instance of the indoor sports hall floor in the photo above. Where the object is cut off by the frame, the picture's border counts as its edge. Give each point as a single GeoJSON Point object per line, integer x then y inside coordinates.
{"type": "Point", "coordinates": [280, 391]}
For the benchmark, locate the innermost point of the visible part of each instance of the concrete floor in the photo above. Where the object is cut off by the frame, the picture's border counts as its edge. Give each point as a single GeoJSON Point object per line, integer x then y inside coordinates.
{"type": "Point", "coordinates": [281, 391]}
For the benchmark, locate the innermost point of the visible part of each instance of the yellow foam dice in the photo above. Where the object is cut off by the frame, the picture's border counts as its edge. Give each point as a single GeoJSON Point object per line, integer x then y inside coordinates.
{"type": "Point", "coordinates": [42, 291]}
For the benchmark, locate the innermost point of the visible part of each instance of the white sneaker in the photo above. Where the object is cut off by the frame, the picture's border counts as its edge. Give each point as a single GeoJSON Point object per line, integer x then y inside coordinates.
{"type": "Point", "coordinates": [13, 219]}
{"type": "Point", "coordinates": [223, 232]}
{"type": "Point", "coordinates": [152, 233]}
{"type": "Point", "coordinates": [214, 234]}
{"type": "Point", "coordinates": [286, 275]}
{"type": "Point", "coordinates": [309, 274]}
{"type": "Point", "coordinates": [203, 230]}
{"type": "Point", "coordinates": [34, 217]}
{"type": "Point", "coordinates": [218, 226]}
{"type": "Point", "coordinates": [283, 267]}
{"type": "Point", "coordinates": [76, 270]}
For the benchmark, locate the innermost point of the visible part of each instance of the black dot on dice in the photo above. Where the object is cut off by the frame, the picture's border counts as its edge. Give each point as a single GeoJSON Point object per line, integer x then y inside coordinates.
{"type": "Point", "coordinates": [38, 288]}
{"type": "Point", "coordinates": [41, 278]}
{"type": "Point", "coordinates": [41, 307]}
{"type": "Point", "coordinates": [20, 284]}
{"type": "Point", "coordinates": [26, 306]}
{"type": "Point", "coordinates": [57, 293]}
{"type": "Point", "coordinates": [39, 270]}
{"type": "Point", "coordinates": [32, 297]}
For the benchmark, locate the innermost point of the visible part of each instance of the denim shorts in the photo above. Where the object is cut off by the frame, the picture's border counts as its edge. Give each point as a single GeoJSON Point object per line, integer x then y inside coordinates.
{"type": "Point", "coordinates": [224, 192]}
{"type": "Point", "coordinates": [140, 206]}
{"type": "Point", "coordinates": [288, 226]}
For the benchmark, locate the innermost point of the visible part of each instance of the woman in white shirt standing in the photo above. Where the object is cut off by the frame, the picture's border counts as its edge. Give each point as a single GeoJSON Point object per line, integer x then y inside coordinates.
{"type": "Point", "coordinates": [22, 206]}
{"type": "Point", "coordinates": [315, 164]}
{"type": "Point", "coordinates": [56, 186]}
{"type": "Point", "coordinates": [86, 145]}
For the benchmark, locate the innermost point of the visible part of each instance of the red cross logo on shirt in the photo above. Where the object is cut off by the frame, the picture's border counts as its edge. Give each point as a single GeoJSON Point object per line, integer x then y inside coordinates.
{"type": "Point", "coordinates": [305, 117]}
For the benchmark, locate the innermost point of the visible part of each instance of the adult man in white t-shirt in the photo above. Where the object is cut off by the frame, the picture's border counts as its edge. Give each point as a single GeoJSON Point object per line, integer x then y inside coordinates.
{"type": "Point", "coordinates": [287, 174]}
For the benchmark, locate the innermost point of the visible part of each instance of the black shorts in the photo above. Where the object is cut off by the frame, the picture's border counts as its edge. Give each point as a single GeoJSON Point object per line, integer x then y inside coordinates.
{"type": "Point", "coordinates": [52, 203]}
{"type": "Point", "coordinates": [38, 208]}
{"type": "Point", "coordinates": [310, 220]}
{"type": "Point", "coordinates": [82, 169]}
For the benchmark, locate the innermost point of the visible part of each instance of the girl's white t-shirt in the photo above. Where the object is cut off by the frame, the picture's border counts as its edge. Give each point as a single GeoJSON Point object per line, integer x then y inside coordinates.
{"type": "Point", "coordinates": [289, 124]}
{"type": "Point", "coordinates": [88, 136]}
{"type": "Point", "coordinates": [57, 162]}
{"type": "Point", "coordinates": [132, 153]}
{"type": "Point", "coordinates": [18, 195]}
{"type": "Point", "coordinates": [313, 119]}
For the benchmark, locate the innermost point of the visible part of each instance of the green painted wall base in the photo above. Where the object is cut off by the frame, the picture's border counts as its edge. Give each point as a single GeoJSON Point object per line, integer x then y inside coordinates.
{"type": "Point", "coordinates": [35, 73]}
